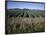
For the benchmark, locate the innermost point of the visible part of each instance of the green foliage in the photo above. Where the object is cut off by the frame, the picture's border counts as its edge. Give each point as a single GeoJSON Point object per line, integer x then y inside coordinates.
{"type": "Point", "coordinates": [25, 13]}
{"type": "Point", "coordinates": [38, 14]}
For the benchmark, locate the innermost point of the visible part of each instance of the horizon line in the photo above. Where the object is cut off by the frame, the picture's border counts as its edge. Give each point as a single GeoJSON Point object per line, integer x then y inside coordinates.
{"type": "Point", "coordinates": [25, 8]}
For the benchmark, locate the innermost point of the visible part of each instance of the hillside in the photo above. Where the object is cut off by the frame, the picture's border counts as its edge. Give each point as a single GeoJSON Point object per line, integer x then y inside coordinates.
{"type": "Point", "coordinates": [25, 12]}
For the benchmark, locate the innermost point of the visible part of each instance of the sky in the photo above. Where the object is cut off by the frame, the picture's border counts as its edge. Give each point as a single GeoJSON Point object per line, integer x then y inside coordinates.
{"type": "Point", "coordinates": [21, 5]}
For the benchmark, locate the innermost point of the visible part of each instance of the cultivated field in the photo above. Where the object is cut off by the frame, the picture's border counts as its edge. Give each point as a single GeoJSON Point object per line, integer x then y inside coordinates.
{"type": "Point", "coordinates": [24, 24]}
{"type": "Point", "coordinates": [25, 20]}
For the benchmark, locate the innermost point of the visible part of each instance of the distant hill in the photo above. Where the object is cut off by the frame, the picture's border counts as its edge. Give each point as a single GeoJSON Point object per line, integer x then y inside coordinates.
{"type": "Point", "coordinates": [24, 12]}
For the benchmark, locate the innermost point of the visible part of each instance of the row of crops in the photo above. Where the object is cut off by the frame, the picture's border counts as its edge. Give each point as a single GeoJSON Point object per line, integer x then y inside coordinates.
{"type": "Point", "coordinates": [21, 13]}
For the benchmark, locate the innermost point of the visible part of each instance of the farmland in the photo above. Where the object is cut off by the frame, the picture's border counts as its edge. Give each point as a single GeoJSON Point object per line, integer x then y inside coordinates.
{"type": "Point", "coordinates": [25, 20]}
